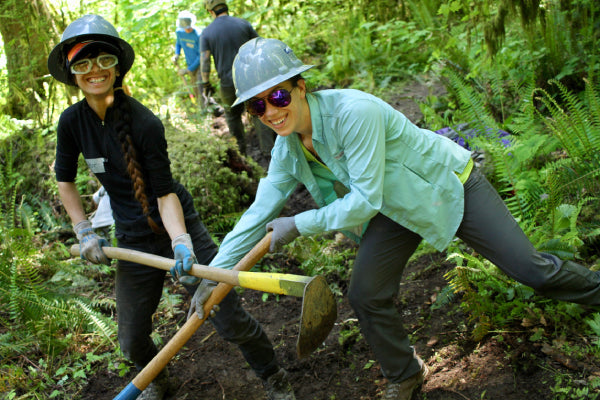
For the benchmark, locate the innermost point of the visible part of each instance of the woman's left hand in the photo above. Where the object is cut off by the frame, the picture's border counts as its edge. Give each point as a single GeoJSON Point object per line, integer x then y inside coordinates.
{"type": "Point", "coordinates": [201, 295]}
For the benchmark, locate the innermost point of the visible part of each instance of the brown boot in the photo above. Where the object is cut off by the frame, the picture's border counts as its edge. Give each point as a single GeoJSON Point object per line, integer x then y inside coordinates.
{"type": "Point", "coordinates": [404, 390]}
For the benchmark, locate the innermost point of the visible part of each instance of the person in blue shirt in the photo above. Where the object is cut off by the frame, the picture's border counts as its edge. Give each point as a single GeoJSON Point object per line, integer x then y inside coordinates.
{"type": "Point", "coordinates": [384, 182]}
{"type": "Point", "coordinates": [188, 40]}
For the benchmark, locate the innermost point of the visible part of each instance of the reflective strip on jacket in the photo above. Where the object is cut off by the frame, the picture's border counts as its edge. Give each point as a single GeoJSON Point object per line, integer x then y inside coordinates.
{"type": "Point", "coordinates": [389, 164]}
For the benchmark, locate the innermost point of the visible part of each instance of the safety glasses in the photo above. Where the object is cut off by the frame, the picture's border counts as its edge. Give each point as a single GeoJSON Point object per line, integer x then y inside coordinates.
{"type": "Point", "coordinates": [278, 98]}
{"type": "Point", "coordinates": [104, 61]}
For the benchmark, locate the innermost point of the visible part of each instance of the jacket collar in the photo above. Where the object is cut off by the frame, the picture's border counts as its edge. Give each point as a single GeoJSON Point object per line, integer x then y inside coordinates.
{"type": "Point", "coordinates": [315, 118]}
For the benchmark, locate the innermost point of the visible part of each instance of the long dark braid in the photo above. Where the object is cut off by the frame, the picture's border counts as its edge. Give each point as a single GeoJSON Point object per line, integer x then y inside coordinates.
{"type": "Point", "coordinates": [123, 127]}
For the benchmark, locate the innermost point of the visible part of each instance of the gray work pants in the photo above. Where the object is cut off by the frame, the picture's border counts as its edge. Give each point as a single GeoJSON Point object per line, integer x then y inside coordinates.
{"type": "Point", "coordinates": [489, 228]}
{"type": "Point", "coordinates": [139, 289]}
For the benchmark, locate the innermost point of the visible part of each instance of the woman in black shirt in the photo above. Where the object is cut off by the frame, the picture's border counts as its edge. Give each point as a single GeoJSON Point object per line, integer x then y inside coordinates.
{"type": "Point", "coordinates": [124, 145]}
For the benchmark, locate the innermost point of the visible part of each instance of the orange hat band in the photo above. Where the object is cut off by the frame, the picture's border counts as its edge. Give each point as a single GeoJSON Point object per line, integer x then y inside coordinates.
{"type": "Point", "coordinates": [75, 49]}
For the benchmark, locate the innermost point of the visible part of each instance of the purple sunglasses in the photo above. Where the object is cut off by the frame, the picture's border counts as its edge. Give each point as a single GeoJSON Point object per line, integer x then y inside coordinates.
{"type": "Point", "coordinates": [278, 97]}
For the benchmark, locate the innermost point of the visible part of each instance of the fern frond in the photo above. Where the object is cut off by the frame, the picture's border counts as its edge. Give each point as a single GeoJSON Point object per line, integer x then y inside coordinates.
{"type": "Point", "coordinates": [594, 323]}
{"type": "Point", "coordinates": [104, 325]}
{"type": "Point", "coordinates": [557, 247]}
{"type": "Point", "coordinates": [593, 102]}
{"type": "Point", "coordinates": [11, 343]}
{"type": "Point", "coordinates": [569, 179]}
{"type": "Point", "coordinates": [520, 187]}
{"type": "Point", "coordinates": [473, 104]}
{"type": "Point", "coordinates": [444, 297]}
{"type": "Point", "coordinates": [578, 133]}
{"type": "Point", "coordinates": [104, 303]}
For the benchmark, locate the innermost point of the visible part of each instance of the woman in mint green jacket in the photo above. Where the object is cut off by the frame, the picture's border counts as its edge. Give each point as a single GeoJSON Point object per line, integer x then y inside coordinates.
{"type": "Point", "coordinates": [384, 182]}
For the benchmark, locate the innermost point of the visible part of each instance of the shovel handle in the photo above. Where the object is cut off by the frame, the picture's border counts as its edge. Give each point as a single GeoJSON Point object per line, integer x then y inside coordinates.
{"type": "Point", "coordinates": [201, 271]}
{"type": "Point", "coordinates": [160, 360]}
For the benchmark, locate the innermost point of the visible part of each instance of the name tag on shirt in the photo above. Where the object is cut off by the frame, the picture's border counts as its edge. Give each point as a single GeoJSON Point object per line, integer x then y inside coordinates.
{"type": "Point", "coordinates": [96, 165]}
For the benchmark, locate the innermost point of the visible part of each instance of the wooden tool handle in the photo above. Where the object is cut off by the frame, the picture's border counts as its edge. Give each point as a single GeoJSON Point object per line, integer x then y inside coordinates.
{"type": "Point", "coordinates": [164, 263]}
{"type": "Point", "coordinates": [158, 363]}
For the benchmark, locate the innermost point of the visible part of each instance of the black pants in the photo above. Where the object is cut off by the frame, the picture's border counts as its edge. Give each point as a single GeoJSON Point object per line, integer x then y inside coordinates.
{"type": "Point", "coordinates": [139, 289]}
{"type": "Point", "coordinates": [489, 228]}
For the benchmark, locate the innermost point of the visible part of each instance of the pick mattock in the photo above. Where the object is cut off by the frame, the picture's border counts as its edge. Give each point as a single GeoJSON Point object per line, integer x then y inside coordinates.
{"type": "Point", "coordinates": [317, 317]}
{"type": "Point", "coordinates": [288, 284]}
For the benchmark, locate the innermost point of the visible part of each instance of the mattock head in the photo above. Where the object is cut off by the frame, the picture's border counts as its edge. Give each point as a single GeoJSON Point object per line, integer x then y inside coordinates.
{"type": "Point", "coordinates": [319, 313]}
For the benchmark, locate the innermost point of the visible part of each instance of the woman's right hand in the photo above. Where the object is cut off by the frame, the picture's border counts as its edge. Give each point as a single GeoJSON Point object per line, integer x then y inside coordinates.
{"type": "Point", "coordinates": [90, 244]}
{"type": "Point", "coordinates": [284, 231]}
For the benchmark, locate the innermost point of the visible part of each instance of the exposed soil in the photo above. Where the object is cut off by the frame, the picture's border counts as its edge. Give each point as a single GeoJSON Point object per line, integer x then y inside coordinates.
{"type": "Point", "coordinates": [210, 368]}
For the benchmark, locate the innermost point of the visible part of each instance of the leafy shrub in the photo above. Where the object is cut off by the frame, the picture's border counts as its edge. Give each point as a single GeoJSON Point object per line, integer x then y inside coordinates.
{"type": "Point", "coordinates": [221, 181]}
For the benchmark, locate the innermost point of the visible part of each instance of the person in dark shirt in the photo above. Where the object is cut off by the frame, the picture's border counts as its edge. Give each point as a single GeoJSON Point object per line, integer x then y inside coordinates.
{"type": "Point", "coordinates": [124, 145]}
{"type": "Point", "coordinates": [222, 39]}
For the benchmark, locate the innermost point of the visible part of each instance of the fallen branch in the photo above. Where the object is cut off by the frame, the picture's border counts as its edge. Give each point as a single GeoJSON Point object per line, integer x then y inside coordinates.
{"type": "Point", "coordinates": [569, 362]}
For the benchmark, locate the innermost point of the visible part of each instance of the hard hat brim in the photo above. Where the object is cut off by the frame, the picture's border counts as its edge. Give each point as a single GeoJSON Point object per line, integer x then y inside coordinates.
{"type": "Point", "coordinates": [270, 83]}
{"type": "Point", "coordinates": [57, 60]}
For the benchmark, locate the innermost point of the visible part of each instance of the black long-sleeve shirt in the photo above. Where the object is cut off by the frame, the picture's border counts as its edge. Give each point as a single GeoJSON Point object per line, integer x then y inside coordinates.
{"type": "Point", "coordinates": [81, 131]}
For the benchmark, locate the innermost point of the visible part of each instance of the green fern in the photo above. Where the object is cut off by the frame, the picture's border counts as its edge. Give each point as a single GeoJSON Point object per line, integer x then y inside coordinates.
{"type": "Point", "coordinates": [445, 297]}
{"type": "Point", "coordinates": [520, 187]}
{"type": "Point", "coordinates": [35, 306]}
{"type": "Point", "coordinates": [106, 326]}
{"type": "Point", "coordinates": [494, 302]}
{"type": "Point", "coordinates": [594, 323]}
{"type": "Point", "coordinates": [577, 125]}
{"type": "Point", "coordinates": [8, 189]}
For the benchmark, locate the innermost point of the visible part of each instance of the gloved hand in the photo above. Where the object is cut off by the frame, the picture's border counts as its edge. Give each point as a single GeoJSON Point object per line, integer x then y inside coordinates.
{"type": "Point", "coordinates": [182, 71]}
{"type": "Point", "coordinates": [183, 250]}
{"type": "Point", "coordinates": [207, 89]}
{"type": "Point", "coordinates": [203, 292]}
{"type": "Point", "coordinates": [175, 59]}
{"type": "Point", "coordinates": [284, 231]}
{"type": "Point", "coordinates": [90, 243]}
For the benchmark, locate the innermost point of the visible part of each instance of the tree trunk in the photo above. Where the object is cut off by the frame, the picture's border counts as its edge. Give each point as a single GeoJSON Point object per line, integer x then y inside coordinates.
{"type": "Point", "coordinates": [28, 33]}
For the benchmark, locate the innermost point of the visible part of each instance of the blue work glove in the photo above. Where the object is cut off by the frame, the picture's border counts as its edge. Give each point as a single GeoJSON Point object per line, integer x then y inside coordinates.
{"type": "Point", "coordinates": [284, 231]}
{"type": "Point", "coordinates": [203, 292]}
{"type": "Point", "coordinates": [183, 250]}
{"type": "Point", "coordinates": [90, 244]}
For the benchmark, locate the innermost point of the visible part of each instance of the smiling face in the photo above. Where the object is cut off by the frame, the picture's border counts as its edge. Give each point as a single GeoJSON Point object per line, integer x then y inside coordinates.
{"type": "Point", "coordinates": [295, 117]}
{"type": "Point", "coordinates": [98, 82]}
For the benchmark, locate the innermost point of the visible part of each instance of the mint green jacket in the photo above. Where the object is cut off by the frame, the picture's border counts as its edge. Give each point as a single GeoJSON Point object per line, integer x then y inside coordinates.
{"type": "Point", "coordinates": [390, 166]}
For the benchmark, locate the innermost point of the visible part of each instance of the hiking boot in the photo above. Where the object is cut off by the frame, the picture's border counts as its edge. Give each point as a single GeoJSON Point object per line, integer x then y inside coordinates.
{"type": "Point", "coordinates": [278, 387]}
{"type": "Point", "coordinates": [405, 389]}
{"type": "Point", "coordinates": [157, 388]}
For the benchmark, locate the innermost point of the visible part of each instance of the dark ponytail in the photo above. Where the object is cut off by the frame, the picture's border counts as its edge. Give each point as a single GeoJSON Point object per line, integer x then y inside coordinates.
{"type": "Point", "coordinates": [123, 127]}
